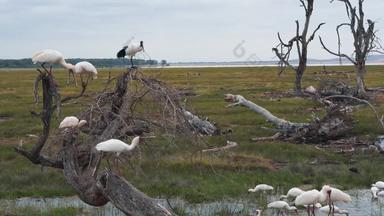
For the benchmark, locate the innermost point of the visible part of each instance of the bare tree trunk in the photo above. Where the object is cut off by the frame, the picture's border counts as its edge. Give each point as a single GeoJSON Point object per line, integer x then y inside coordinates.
{"type": "Point", "coordinates": [298, 88]}
{"type": "Point", "coordinates": [299, 75]}
{"type": "Point", "coordinates": [360, 73]}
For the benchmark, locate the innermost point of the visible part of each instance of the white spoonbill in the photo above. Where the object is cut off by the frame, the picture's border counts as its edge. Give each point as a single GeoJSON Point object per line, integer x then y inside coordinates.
{"type": "Point", "coordinates": [380, 194]}
{"type": "Point", "coordinates": [335, 195]}
{"type": "Point", "coordinates": [50, 56]}
{"type": "Point", "coordinates": [337, 210]}
{"type": "Point", "coordinates": [379, 184]}
{"type": "Point", "coordinates": [116, 146]}
{"type": "Point", "coordinates": [260, 187]}
{"type": "Point", "coordinates": [83, 68]}
{"type": "Point", "coordinates": [258, 212]}
{"type": "Point", "coordinates": [293, 192]}
{"type": "Point", "coordinates": [72, 122]}
{"type": "Point", "coordinates": [374, 191]}
{"type": "Point", "coordinates": [130, 50]}
{"type": "Point", "coordinates": [311, 198]}
{"type": "Point", "coordinates": [281, 205]}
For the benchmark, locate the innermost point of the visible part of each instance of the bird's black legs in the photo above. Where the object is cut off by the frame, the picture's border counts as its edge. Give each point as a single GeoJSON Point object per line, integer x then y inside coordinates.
{"type": "Point", "coordinates": [69, 77]}
{"type": "Point", "coordinates": [97, 164]}
{"type": "Point", "coordinates": [74, 78]}
{"type": "Point", "coordinates": [132, 62]}
{"type": "Point", "coordinates": [82, 80]}
{"type": "Point", "coordinates": [43, 66]}
{"type": "Point", "coordinates": [313, 209]}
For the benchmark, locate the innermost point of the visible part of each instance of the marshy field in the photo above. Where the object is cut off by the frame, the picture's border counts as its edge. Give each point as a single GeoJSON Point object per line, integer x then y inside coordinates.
{"type": "Point", "coordinates": [175, 171]}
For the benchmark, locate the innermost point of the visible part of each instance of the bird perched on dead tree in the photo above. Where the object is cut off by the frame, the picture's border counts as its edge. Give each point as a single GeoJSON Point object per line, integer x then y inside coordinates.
{"type": "Point", "coordinates": [130, 50]}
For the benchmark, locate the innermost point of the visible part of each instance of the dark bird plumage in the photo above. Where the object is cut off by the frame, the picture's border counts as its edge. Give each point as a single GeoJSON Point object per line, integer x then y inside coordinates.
{"type": "Point", "coordinates": [122, 52]}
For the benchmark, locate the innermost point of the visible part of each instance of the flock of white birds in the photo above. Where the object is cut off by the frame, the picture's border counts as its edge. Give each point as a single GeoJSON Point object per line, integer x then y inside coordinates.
{"type": "Point", "coordinates": [50, 57]}
{"type": "Point", "coordinates": [313, 199]}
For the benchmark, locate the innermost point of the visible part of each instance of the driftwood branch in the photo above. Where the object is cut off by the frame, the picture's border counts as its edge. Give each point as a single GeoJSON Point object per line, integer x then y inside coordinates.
{"type": "Point", "coordinates": [202, 126]}
{"type": "Point", "coordinates": [279, 123]}
{"type": "Point", "coordinates": [270, 138]}
{"type": "Point", "coordinates": [229, 145]}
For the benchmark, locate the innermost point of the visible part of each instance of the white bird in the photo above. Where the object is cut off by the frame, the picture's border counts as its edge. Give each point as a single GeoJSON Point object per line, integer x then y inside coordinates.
{"type": "Point", "coordinates": [293, 192]}
{"type": "Point", "coordinates": [280, 205]}
{"type": "Point", "coordinates": [335, 195]}
{"type": "Point", "coordinates": [258, 212]}
{"type": "Point", "coordinates": [311, 198]}
{"type": "Point", "coordinates": [260, 187]}
{"type": "Point", "coordinates": [380, 193]}
{"type": "Point", "coordinates": [130, 50]}
{"type": "Point", "coordinates": [337, 210]}
{"type": "Point", "coordinates": [379, 184]}
{"type": "Point", "coordinates": [82, 68]}
{"type": "Point", "coordinates": [50, 56]}
{"type": "Point", "coordinates": [374, 191]}
{"type": "Point", "coordinates": [116, 146]}
{"type": "Point", "coordinates": [72, 122]}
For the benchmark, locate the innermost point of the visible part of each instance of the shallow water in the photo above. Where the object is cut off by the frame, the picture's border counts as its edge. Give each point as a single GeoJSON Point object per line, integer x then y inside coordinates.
{"type": "Point", "coordinates": [361, 205]}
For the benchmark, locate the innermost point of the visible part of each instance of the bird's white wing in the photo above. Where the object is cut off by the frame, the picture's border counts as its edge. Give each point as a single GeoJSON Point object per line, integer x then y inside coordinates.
{"type": "Point", "coordinates": [36, 56]}
{"type": "Point", "coordinates": [85, 67]}
{"type": "Point", "coordinates": [48, 56]}
{"type": "Point", "coordinates": [112, 145]}
{"type": "Point", "coordinates": [130, 40]}
{"type": "Point", "coordinates": [68, 122]}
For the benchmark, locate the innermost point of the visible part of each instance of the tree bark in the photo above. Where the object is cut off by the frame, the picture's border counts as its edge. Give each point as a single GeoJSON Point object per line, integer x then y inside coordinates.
{"type": "Point", "coordinates": [127, 198]}
{"type": "Point", "coordinates": [360, 84]}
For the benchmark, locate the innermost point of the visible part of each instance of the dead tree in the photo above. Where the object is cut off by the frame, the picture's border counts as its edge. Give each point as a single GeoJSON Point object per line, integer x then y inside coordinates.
{"type": "Point", "coordinates": [300, 41]}
{"type": "Point", "coordinates": [336, 123]}
{"type": "Point", "coordinates": [130, 109]}
{"type": "Point", "coordinates": [365, 42]}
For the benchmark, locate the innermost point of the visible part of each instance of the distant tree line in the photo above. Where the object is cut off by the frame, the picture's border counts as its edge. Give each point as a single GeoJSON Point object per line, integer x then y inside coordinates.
{"type": "Point", "coordinates": [99, 63]}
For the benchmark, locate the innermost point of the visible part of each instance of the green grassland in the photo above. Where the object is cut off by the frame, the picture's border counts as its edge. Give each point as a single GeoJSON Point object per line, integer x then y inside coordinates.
{"type": "Point", "coordinates": [211, 176]}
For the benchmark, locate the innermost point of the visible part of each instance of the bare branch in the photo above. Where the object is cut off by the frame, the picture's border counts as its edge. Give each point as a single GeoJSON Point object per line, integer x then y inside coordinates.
{"type": "Point", "coordinates": [314, 32]}
{"type": "Point", "coordinates": [229, 145]}
{"type": "Point", "coordinates": [379, 119]}
{"type": "Point", "coordinates": [282, 59]}
{"type": "Point", "coordinates": [336, 54]}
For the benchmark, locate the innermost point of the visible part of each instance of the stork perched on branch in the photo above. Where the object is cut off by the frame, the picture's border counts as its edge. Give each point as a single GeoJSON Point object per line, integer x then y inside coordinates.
{"type": "Point", "coordinates": [130, 50]}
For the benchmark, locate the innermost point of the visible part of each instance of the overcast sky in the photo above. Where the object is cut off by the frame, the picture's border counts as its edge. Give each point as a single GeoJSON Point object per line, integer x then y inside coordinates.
{"type": "Point", "coordinates": [175, 30]}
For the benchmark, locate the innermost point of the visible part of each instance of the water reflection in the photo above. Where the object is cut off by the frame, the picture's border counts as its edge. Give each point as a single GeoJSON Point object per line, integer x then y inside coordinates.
{"type": "Point", "coordinates": [361, 205]}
